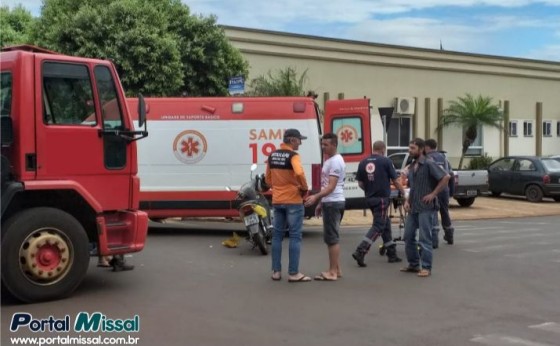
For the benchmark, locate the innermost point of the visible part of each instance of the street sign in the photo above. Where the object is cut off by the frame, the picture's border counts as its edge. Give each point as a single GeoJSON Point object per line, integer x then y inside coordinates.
{"type": "Point", "coordinates": [236, 85]}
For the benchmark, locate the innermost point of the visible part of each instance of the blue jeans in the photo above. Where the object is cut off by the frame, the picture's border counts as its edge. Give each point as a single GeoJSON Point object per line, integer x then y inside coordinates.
{"type": "Point", "coordinates": [287, 216]}
{"type": "Point", "coordinates": [423, 222]}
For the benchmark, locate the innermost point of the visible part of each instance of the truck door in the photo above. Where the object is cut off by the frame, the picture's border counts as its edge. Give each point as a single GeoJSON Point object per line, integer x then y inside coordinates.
{"type": "Point", "coordinates": [350, 121]}
{"type": "Point", "coordinates": [77, 101]}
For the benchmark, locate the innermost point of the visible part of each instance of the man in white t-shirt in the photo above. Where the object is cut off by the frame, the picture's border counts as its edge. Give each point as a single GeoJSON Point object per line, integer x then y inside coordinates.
{"type": "Point", "coordinates": [331, 203]}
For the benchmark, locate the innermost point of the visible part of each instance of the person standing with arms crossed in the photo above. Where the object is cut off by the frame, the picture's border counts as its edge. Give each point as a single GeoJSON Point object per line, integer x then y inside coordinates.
{"type": "Point", "coordinates": [374, 176]}
{"type": "Point", "coordinates": [426, 179]}
{"type": "Point", "coordinates": [443, 196]}
{"type": "Point", "coordinates": [331, 203]}
{"type": "Point", "coordinates": [285, 175]}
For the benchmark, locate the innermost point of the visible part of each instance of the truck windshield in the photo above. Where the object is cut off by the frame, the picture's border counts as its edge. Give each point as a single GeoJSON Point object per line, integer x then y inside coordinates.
{"type": "Point", "coordinates": [5, 94]}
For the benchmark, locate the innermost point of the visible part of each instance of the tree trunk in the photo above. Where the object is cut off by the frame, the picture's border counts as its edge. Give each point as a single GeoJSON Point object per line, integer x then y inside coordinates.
{"type": "Point", "coordinates": [466, 144]}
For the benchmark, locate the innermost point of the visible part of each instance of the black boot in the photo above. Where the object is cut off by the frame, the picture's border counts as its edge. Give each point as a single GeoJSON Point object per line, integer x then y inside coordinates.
{"type": "Point", "coordinates": [435, 238]}
{"type": "Point", "coordinates": [359, 257]}
{"type": "Point", "coordinates": [448, 235]}
{"type": "Point", "coordinates": [392, 254]}
{"type": "Point", "coordinates": [119, 264]}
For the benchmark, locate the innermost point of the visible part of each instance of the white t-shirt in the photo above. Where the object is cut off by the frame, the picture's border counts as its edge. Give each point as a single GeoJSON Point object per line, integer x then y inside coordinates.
{"type": "Point", "coordinates": [336, 167]}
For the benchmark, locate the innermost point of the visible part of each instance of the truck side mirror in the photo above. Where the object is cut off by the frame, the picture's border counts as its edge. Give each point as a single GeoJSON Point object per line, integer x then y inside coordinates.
{"type": "Point", "coordinates": [141, 110]}
{"type": "Point", "coordinates": [7, 134]}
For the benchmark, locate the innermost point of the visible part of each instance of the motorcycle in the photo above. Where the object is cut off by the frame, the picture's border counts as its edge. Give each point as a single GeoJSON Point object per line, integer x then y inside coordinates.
{"type": "Point", "coordinates": [255, 211]}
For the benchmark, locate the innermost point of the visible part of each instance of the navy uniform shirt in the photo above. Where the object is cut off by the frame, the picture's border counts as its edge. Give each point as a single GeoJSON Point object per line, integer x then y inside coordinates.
{"type": "Point", "coordinates": [441, 161]}
{"type": "Point", "coordinates": [423, 180]}
{"type": "Point", "coordinates": [376, 172]}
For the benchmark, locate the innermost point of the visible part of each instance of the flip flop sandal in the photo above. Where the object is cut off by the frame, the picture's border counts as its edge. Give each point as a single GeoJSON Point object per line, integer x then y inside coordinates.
{"type": "Point", "coordinates": [410, 269]}
{"type": "Point", "coordinates": [322, 277]}
{"type": "Point", "coordinates": [276, 277]}
{"type": "Point", "coordinates": [424, 273]}
{"type": "Point", "coordinates": [303, 278]}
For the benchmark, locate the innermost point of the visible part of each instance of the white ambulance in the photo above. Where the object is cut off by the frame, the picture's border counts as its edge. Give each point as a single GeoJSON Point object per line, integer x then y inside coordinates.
{"type": "Point", "coordinates": [198, 146]}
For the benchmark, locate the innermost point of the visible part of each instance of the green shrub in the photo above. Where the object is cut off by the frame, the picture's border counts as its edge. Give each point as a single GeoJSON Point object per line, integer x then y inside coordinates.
{"type": "Point", "coordinates": [480, 162]}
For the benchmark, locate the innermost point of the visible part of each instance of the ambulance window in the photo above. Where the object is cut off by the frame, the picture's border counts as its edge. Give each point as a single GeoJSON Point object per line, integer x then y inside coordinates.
{"type": "Point", "coordinates": [349, 132]}
{"type": "Point", "coordinates": [110, 107]}
{"type": "Point", "coordinates": [5, 94]}
{"type": "Point", "coordinates": [67, 95]}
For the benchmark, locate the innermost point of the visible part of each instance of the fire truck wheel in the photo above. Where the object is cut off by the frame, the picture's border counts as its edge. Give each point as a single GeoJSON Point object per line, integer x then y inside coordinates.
{"type": "Point", "coordinates": [44, 254]}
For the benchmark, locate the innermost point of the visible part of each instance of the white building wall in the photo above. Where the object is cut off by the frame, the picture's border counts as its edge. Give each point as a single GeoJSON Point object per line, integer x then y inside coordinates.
{"type": "Point", "coordinates": [383, 73]}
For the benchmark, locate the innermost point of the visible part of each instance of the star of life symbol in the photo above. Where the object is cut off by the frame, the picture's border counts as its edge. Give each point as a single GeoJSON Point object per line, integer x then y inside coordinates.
{"type": "Point", "coordinates": [370, 168]}
{"type": "Point", "coordinates": [190, 146]}
{"type": "Point", "coordinates": [347, 135]}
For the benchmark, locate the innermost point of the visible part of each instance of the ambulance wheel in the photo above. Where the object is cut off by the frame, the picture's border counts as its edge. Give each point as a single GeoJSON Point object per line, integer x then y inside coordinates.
{"type": "Point", "coordinates": [382, 250]}
{"type": "Point", "coordinates": [44, 254]}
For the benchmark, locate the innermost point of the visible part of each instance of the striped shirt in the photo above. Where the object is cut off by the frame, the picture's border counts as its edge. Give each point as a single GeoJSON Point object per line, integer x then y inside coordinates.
{"type": "Point", "coordinates": [423, 177]}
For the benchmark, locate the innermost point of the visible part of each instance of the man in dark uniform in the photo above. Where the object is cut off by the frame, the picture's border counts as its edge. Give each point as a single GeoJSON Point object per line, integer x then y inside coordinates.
{"type": "Point", "coordinates": [443, 196]}
{"type": "Point", "coordinates": [374, 176]}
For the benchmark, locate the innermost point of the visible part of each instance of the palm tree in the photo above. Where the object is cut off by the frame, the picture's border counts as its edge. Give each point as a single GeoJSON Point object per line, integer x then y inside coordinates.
{"type": "Point", "coordinates": [470, 113]}
{"type": "Point", "coordinates": [285, 83]}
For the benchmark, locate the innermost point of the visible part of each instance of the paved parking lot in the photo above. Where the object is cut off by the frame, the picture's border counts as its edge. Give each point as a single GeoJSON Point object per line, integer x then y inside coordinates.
{"type": "Point", "coordinates": [498, 285]}
{"type": "Point", "coordinates": [483, 208]}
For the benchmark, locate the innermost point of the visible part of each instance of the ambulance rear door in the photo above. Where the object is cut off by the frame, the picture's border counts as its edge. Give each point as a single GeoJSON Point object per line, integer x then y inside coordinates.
{"type": "Point", "coordinates": [350, 121]}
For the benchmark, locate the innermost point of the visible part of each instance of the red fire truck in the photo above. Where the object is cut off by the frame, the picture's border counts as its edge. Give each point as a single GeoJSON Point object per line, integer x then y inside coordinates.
{"type": "Point", "coordinates": [69, 170]}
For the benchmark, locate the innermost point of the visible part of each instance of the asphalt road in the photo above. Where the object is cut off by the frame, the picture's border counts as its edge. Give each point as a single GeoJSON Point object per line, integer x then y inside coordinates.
{"type": "Point", "coordinates": [498, 285]}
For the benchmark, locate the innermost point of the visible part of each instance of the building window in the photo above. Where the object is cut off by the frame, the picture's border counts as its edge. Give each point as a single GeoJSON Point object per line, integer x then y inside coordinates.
{"type": "Point", "coordinates": [513, 128]}
{"type": "Point", "coordinates": [558, 128]}
{"type": "Point", "coordinates": [399, 134]}
{"type": "Point", "coordinates": [528, 128]}
{"type": "Point", "coordinates": [547, 128]}
{"type": "Point", "coordinates": [476, 148]}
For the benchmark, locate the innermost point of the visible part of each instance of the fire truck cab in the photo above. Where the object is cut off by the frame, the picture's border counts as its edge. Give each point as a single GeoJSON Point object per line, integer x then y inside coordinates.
{"type": "Point", "coordinates": [69, 170]}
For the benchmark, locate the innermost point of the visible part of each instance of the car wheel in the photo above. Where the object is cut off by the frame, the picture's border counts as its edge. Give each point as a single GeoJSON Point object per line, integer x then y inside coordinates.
{"type": "Point", "coordinates": [495, 193]}
{"type": "Point", "coordinates": [534, 193]}
{"type": "Point", "coordinates": [465, 202]}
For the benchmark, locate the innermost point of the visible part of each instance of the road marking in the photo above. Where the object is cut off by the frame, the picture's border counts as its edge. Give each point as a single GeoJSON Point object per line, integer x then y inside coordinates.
{"type": "Point", "coordinates": [539, 243]}
{"type": "Point", "coordinates": [528, 223]}
{"type": "Point", "coordinates": [497, 231]}
{"type": "Point", "coordinates": [507, 240]}
{"type": "Point", "coordinates": [522, 230]}
{"type": "Point", "coordinates": [504, 340]}
{"type": "Point", "coordinates": [539, 252]}
{"type": "Point", "coordinates": [490, 248]}
{"type": "Point", "coordinates": [502, 238]}
{"type": "Point", "coordinates": [548, 326]}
